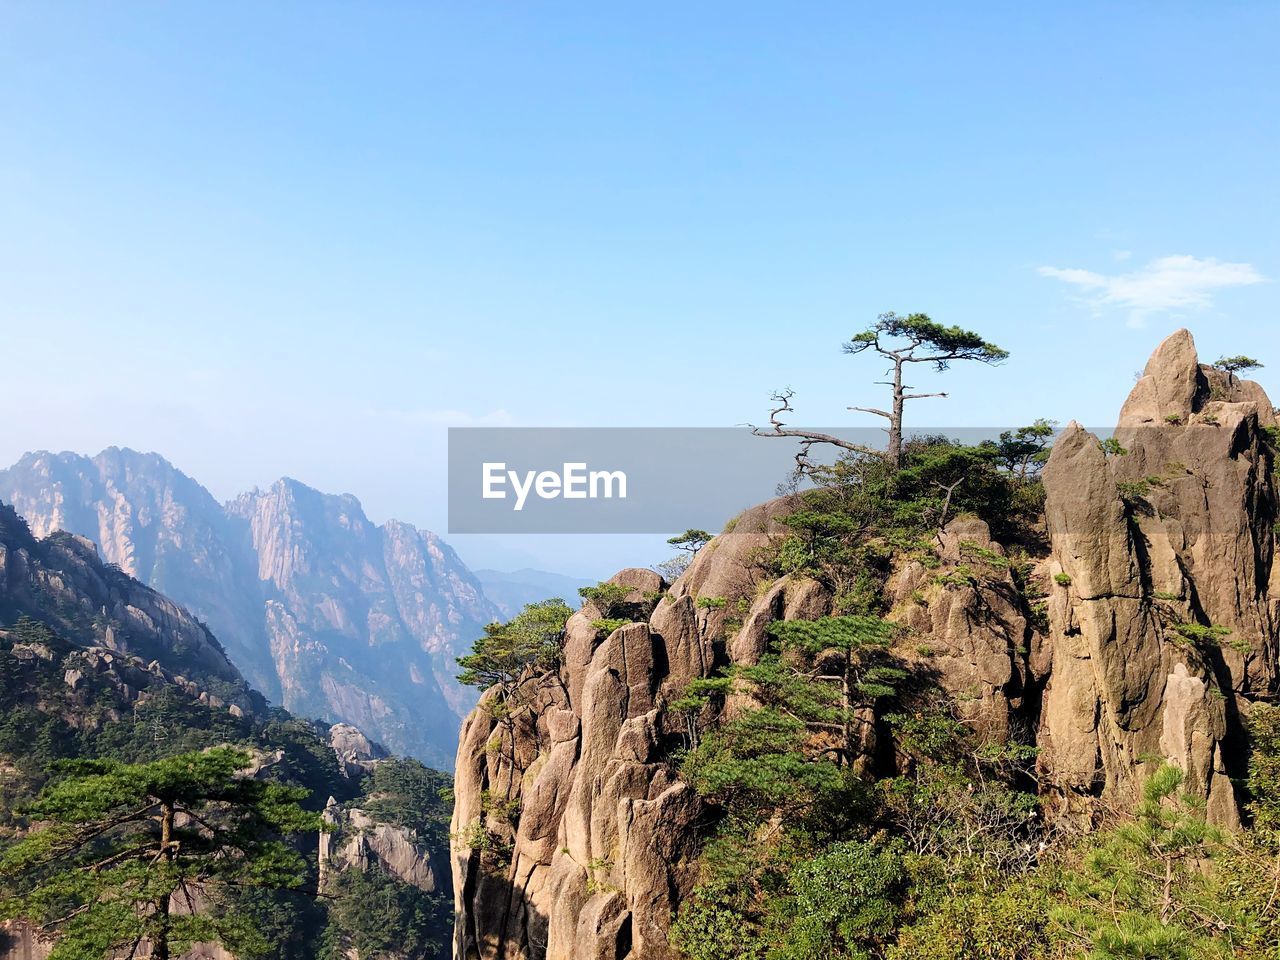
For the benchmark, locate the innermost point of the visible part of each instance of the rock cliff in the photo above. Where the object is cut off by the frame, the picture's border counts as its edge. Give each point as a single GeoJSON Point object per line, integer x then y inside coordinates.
{"type": "Point", "coordinates": [1141, 631]}
{"type": "Point", "coordinates": [359, 841]}
{"type": "Point", "coordinates": [326, 613]}
{"type": "Point", "coordinates": [1163, 624]}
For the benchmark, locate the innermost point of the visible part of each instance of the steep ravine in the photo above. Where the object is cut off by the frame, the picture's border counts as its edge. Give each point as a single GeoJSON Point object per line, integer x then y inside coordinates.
{"type": "Point", "coordinates": [585, 847]}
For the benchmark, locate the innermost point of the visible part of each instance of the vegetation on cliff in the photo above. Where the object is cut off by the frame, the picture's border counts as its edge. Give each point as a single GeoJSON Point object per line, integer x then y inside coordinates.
{"type": "Point", "coordinates": [1002, 700]}
{"type": "Point", "coordinates": [941, 845]}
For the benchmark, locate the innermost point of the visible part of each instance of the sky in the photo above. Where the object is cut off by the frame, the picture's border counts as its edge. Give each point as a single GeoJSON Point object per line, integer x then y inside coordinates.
{"type": "Point", "coordinates": [305, 239]}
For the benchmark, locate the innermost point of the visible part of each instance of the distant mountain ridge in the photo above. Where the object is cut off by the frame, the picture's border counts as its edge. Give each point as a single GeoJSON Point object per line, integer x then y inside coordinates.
{"type": "Point", "coordinates": [322, 610]}
{"type": "Point", "coordinates": [511, 590]}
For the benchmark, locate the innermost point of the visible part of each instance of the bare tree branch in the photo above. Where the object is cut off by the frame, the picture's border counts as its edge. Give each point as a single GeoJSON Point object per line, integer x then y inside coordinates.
{"type": "Point", "coordinates": [879, 413]}
{"type": "Point", "coordinates": [777, 428]}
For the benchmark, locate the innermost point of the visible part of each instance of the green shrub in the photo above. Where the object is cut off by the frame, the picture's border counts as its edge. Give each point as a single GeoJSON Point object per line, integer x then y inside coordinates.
{"type": "Point", "coordinates": [609, 598]}
{"type": "Point", "coordinates": [845, 902]}
{"type": "Point", "coordinates": [1201, 635]}
{"type": "Point", "coordinates": [1133, 492]}
{"type": "Point", "coordinates": [961, 576]}
{"type": "Point", "coordinates": [1010, 923]}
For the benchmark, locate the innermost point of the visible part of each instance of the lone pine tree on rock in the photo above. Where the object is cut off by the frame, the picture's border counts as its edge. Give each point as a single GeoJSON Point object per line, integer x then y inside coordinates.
{"type": "Point", "coordinates": [901, 340]}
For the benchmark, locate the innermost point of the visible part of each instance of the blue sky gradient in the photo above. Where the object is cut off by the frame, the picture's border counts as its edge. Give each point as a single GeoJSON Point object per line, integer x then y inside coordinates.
{"type": "Point", "coordinates": [303, 239]}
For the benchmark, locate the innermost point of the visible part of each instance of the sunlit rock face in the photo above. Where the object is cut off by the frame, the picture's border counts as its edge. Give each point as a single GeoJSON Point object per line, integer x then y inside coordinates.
{"type": "Point", "coordinates": [1162, 538]}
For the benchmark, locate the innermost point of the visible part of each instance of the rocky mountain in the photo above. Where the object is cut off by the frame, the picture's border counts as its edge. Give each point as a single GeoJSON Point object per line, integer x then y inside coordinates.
{"type": "Point", "coordinates": [325, 612]}
{"type": "Point", "coordinates": [1141, 632]}
{"type": "Point", "coordinates": [95, 665]}
{"type": "Point", "coordinates": [158, 525]}
{"type": "Point", "coordinates": [511, 590]}
{"type": "Point", "coordinates": [61, 581]}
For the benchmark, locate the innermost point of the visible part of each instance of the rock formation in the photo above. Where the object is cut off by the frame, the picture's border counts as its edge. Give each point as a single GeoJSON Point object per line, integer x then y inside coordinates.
{"type": "Point", "coordinates": [359, 841]}
{"type": "Point", "coordinates": [327, 613]}
{"type": "Point", "coordinates": [357, 754]}
{"type": "Point", "coordinates": [1168, 537]}
{"type": "Point", "coordinates": [1152, 625]}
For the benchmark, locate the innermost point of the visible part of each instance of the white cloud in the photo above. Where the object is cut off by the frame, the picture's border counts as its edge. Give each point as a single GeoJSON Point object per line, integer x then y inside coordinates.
{"type": "Point", "coordinates": [1165, 284]}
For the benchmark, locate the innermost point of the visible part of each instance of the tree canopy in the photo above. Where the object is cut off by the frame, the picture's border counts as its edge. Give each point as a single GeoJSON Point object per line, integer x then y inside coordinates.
{"type": "Point", "coordinates": [529, 639]}
{"type": "Point", "coordinates": [917, 339]}
{"type": "Point", "coordinates": [1237, 364]}
{"type": "Point", "coordinates": [131, 853]}
{"type": "Point", "coordinates": [901, 340]}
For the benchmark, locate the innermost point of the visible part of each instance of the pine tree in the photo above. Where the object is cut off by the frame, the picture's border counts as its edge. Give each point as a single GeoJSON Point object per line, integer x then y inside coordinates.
{"type": "Point", "coordinates": [509, 655]}
{"type": "Point", "coordinates": [811, 696]}
{"type": "Point", "coordinates": [124, 854]}
{"type": "Point", "coordinates": [1141, 892]}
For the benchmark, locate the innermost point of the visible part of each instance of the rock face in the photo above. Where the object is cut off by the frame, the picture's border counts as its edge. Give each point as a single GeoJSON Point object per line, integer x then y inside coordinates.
{"type": "Point", "coordinates": [1154, 545]}
{"type": "Point", "coordinates": [359, 841]}
{"type": "Point", "coordinates": [156, 524]}
{"type": "Point", "coordinates": [1140, 633]}
{"type": "Point", "coordinates": [573, 834]}
{"type": "Point", "coordinates": [327, 613]}
{"type": "Point", "coordinates": [364, 622]}
{"type": "Point", "coordinates": [357, 754]}
{"type": "Point", "coordinates": [600, 848]}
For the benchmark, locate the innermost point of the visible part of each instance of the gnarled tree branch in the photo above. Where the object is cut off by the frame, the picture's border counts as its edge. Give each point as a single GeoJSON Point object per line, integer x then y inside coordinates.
{"type": "Point", "coordinates": [807, 438]}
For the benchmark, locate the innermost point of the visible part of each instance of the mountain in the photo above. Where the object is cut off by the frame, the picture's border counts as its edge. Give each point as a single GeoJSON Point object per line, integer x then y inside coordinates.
{"type": "Point", "coordinates": [1117, 640]}
{"type": "Point", "coordinates": [95, 665]}
{"type": "Point", "coordinates": [158, 525]}
{"type": "Point", "coordinates": [324, 612]}
{"type": "Point", "coordinates": [61, 581]}
{"type": "Point", "coordinates": [509, 591]}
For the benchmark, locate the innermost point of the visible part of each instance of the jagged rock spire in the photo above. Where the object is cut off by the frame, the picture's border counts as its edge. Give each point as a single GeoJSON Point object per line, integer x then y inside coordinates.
{"type": "Point", "coordinates": [1170, 385]}
{"type": "Point", "coordinates": [1171, 533]}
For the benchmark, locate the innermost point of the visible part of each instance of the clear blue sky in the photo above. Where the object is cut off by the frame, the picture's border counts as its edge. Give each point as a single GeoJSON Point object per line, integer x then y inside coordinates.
{"type": "Point", "coordinates": [302, 239]}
